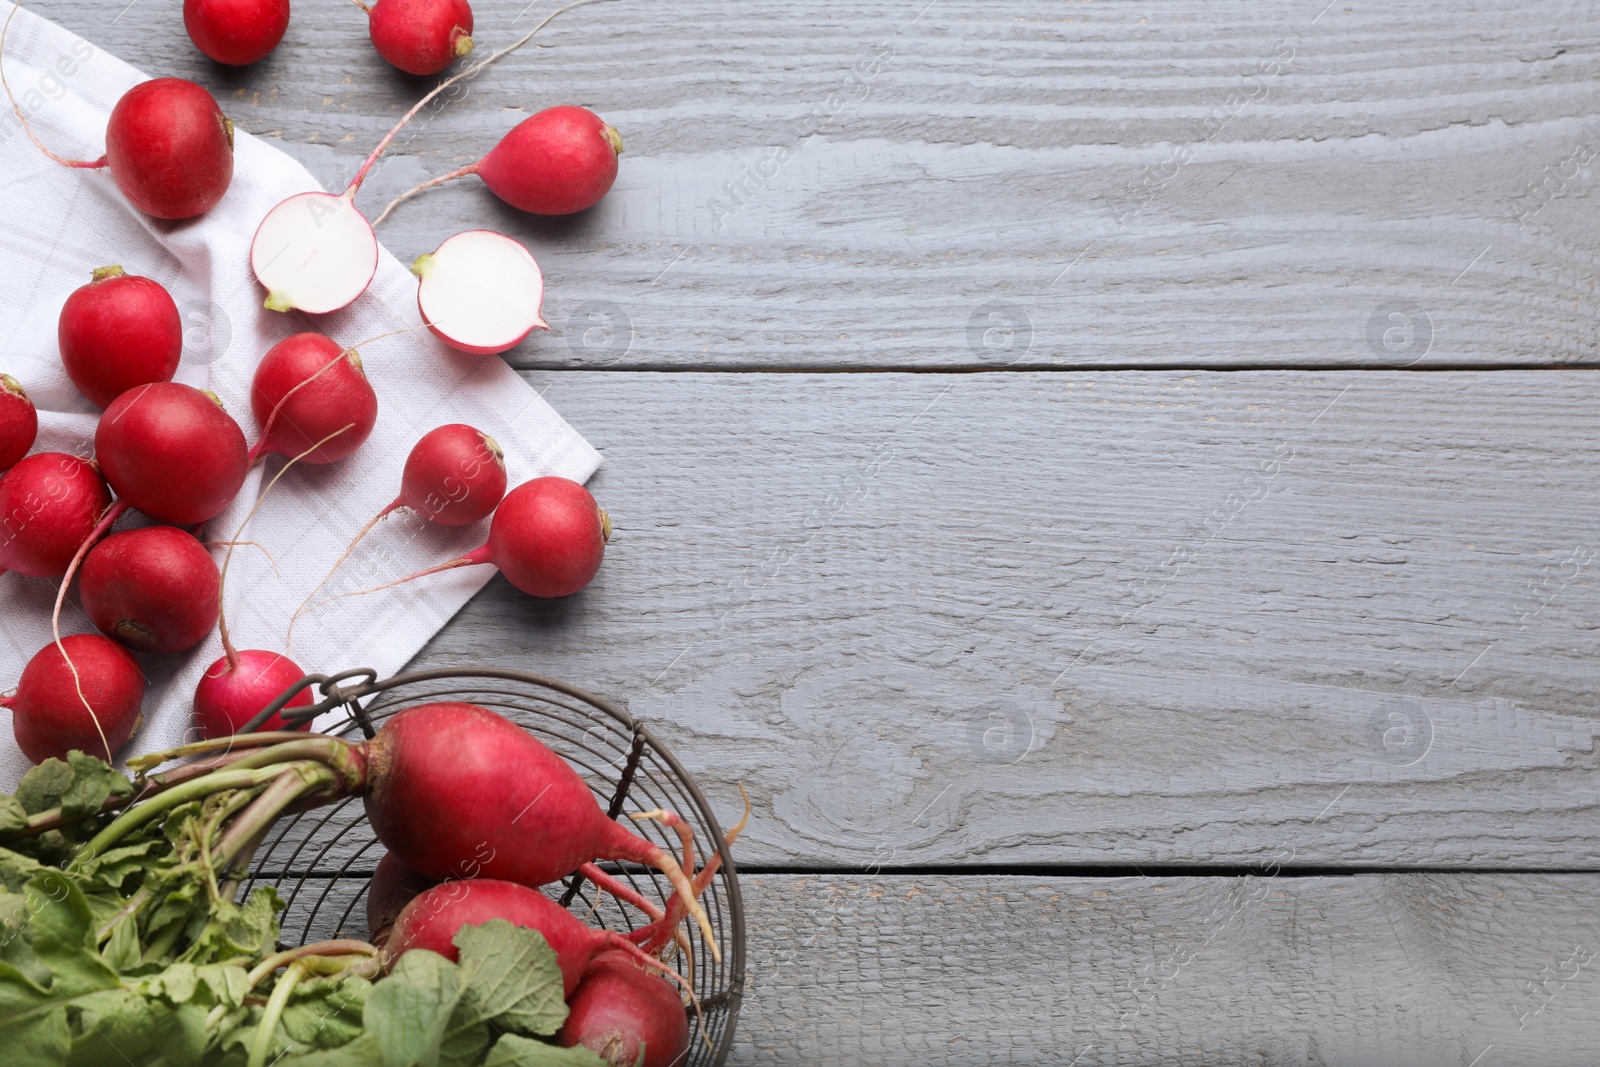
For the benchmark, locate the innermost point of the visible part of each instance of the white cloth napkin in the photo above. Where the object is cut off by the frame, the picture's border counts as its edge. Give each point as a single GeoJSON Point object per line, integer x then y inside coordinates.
{"type": "Point", "coordinates": [59, 224]}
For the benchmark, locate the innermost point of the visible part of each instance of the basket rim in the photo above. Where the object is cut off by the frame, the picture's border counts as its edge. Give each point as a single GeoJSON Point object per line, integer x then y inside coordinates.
{"type": "Point", "coordinates": [336, 695]}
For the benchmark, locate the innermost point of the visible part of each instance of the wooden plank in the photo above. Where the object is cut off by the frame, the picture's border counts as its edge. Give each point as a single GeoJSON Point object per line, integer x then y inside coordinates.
{"type": "Point", "coordinates": [1092, 619]}
{"type": "Point", "coordinates": [1439, 969]}
{"type": "Point", "coordinates": [982, 183]}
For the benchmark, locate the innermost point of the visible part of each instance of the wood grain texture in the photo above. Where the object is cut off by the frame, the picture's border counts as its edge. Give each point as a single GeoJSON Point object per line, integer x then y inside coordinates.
{"type": "Point", "coordinates": [1099, 618]}
{"type": "Point", "coordinates": [1420, 970]}
{"type": "Point", "coordinates": [978, 183]}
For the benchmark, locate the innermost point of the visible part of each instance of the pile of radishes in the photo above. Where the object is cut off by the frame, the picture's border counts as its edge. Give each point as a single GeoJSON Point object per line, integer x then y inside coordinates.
{"type": "Point", "coordinates": [170, 453]}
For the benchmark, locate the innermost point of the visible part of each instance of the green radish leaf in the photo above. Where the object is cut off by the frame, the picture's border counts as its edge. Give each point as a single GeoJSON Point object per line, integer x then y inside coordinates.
{"type": "Point", "coordinates": [13, 816]}
{"type": "Point", "coordinates": [409, 1011]}
{"type": "Point", "coordinates": [63, 936]}
{"type": "Point", "coordinates": [514, 1051]}
{"type": "Point", "coordinates": [511, 978]}
{"type": "Point", "coordinates": [331, 1018]}
{"type": "Point", "coordinates": [121, 1026]}
{"type": "Point", "coordinates": [33, 1021]}
{"type": "Point", "coordinates": [364, 1051]}
{"type": "Point", "coordinates": [41, 788]}
{"type": "Point", "coordinates": [93, 783]}
{"type": "Point", "coordinates": [465, 1047]}
{"type": "Point", "coordinates": [16, 869]}
{"type": "Point", "coordinates": [122, 950]}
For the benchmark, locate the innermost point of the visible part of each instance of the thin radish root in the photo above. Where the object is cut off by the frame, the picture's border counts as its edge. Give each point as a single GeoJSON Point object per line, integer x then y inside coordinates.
{"type": "Point", "coordinates": [27, 127]}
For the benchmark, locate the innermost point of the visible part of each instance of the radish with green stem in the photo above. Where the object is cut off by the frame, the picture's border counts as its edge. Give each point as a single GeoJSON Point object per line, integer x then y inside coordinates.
{"type": "Point", "coordinates": [153, 589]}
{"type": "Point", "coordinates": [420, 36]}
{"type": "Point", "coordinates": [50, 504]}
{"type": "Point", "coordinates": [81, 692]}
{"type": "Point", "coordinates": [19, 422]}
{"type": "Point", "coordinates": [305, 389]}
{"type": "Point", "coordinates": [118, 332]}
{"type": "Point", "coordinates": [316, 251]}
{"type": "Point", "coordinates": [559, 161]}
{"type": "Point", "coordinates": [548, 538]}
{"type": "Point", "coordinates": [168, 145]}
{"type": "Point", "coordinates": [236, 32]}
{"type": "Point", "coordinates": [480, 292]}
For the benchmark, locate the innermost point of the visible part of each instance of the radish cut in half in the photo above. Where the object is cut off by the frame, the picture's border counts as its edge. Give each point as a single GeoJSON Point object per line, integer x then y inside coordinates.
{"type": "Point", "coordinates": [314, 252]}
{"type": "Point", "coordinates": [481, 292]}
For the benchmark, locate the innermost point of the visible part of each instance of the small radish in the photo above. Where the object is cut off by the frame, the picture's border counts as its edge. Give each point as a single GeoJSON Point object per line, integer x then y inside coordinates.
{"type": "Point", "coordinates": [19, 422]}
{"type": "Point", "coordinates": [556, 162]}
{"type": "Point", "coordinates": [237, 686]}
{"type": "Point", "coordinates": [118, 332]}
{"type": "Point", "coordinates": [433, 919]}
{"type": "Point", "coordinates": [443, 780]}
{"type": "Point", "coordinates": [236, 32]}
{"type": "Point", "coordinates": [454, 476]}
{"type": "Point", "coordinates": [627, 1017]}
{"type": "Point", "coordinates": [420, 36]}
{"type": "Point", "coordinates": [316, 252]}
{"type": "Point", "coordinates": [170, 451]}
{"type": "Point", "coordinates": [154, 589]}
{"type": "Point", "coordinates": [393, 886]}
{"type": "Point", "coordinates": [50, 503]}
{"type": "Point", "coordinates": [306, 388]}
{"type": "Point", "coordinates": [49, 716]}
{"type": "Point", "coordinates": [480, 292]}
{"type": "Point", "coordinates": [548, 538]}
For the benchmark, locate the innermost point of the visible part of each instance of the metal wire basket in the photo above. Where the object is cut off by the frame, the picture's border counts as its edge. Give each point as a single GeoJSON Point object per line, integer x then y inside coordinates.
{"type": "Point", "coordinates": [321, 860]}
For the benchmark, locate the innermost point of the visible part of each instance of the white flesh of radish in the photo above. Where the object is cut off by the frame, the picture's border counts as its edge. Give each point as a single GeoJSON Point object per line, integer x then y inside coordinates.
{"type": "Point", "coordinates": [481, 292]}
{"type": "Point", "coordinates": [314, 252]}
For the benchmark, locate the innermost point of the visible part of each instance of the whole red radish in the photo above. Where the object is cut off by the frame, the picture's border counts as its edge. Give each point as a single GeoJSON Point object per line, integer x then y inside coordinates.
{"type": "Point", "coordinates": [172, 452]}
{"type": "Point", "coordinates": [118, 332]}
{"type": "Point", "coordinates": [421, 36]}
{"type": "Point", "coordinates": [480, 292]}
{"type": "Point", "coordinates": [559, 161]}
{"type": "Point", "coordinates": [19, 422]}
{"type": "Point", "coordinates": [393, 886]}
{"type": "Point", "coordinates": [232, 692]}
{"type": "Point", "coordinates": [170, 148]}
{"type": "Point", "coordinates": [432, 920]}
{"type": "Point", "coordinates": [454, 476]}
{"type": "Point", "coordinates": [236, 32]}
{"type": "Point", "coordinates": [625, 1015]}
{"type": "Point", "coordinates": [306, 388]}
{"type": "Point", "coordinates": [448, 782]}
{"type": "Point", "coordinates": [49, 504]}
{"type": "Point", "coordinates": [154, 589]}
{"type": "Point", "coordinates": [48, 716]}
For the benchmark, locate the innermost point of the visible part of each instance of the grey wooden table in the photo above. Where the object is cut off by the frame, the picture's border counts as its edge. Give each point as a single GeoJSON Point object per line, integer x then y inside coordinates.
{"type": "Point", "coordinates": [1115, 482]}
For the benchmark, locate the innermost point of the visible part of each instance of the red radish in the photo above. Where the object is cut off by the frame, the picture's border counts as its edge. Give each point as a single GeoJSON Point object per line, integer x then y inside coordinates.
{"type": "Point", "coordinates": [433, 919]}
{"type": "Point", "coordinates": [236, 32]}
{"type": "Point", "coordinates": [50, 717]}
{"type": "Point", "coordinates": [19, 422]}
{"type": "Point", "coordinates": [49, 504]}
{"type": "Point", "coordinates": [548, 538]}
{"type": "Point", "coordinates": [118, 332]}
{"type": "Point", "coordinates": [393, 886]}
{"type": "Point", "coordinates": [168, 145]}
{"type": "Point", "coordinates": [233, 690]}
{"type": "Point", "coordinates": [443, 780]}
{"type": "Point", "coordinates": [154, 589]}
{"type": "Point", "coordinates": [420, 36]}
{"type": "Point", "coordinates": [306, 388]}
{"type": "Point", "coordinates": [316, 252]}
{"type": "Point", "coordinates": [172, 452]}
{"type": "Point", "coordinates": [625, 1016]}
{"type": "Point", "coordinates": [556, 162]}
{"type": "Point", "coordinates": [480, 292]}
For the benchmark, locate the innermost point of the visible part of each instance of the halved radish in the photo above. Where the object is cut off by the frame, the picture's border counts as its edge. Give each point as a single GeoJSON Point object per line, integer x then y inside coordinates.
{"type": "Point", "coordinates": [480, 292]}
{"type": "Point", "coordinates": [314, 252]}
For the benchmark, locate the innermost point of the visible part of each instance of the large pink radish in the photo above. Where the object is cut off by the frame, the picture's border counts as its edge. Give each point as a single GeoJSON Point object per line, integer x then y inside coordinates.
{"type": "Point", "coordinates": [170, 451]}
{"type": "Point", "coordinates": [309, 388]}
{"type": "Point", "coordinates": [19, 422]}
{"type": "Point", "coordinates": [153, 589]}
{"type": "Point", "coordinates": [420, 36]}
{"type": "Point", "coordinates": [558, 161]}
{"type": "Point", "coordinates": [50, 718]}
{"type": "Point", "coordinates": [236, 32]}
{"type": "Point", "coordinates": [236, 687]}
{"type": "Point", "coordinates": [432, 920]}
{"type": "Point", "coordinates": [118, 332]}
{"type": "Point", "coordinates": [49, 505]}
{"type": "Point", "coordinates": [625, 1015]}
{"type": "Point", "coordinates": [445, 782]}
{"type": "Point", "coordinates": [316, 252]}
